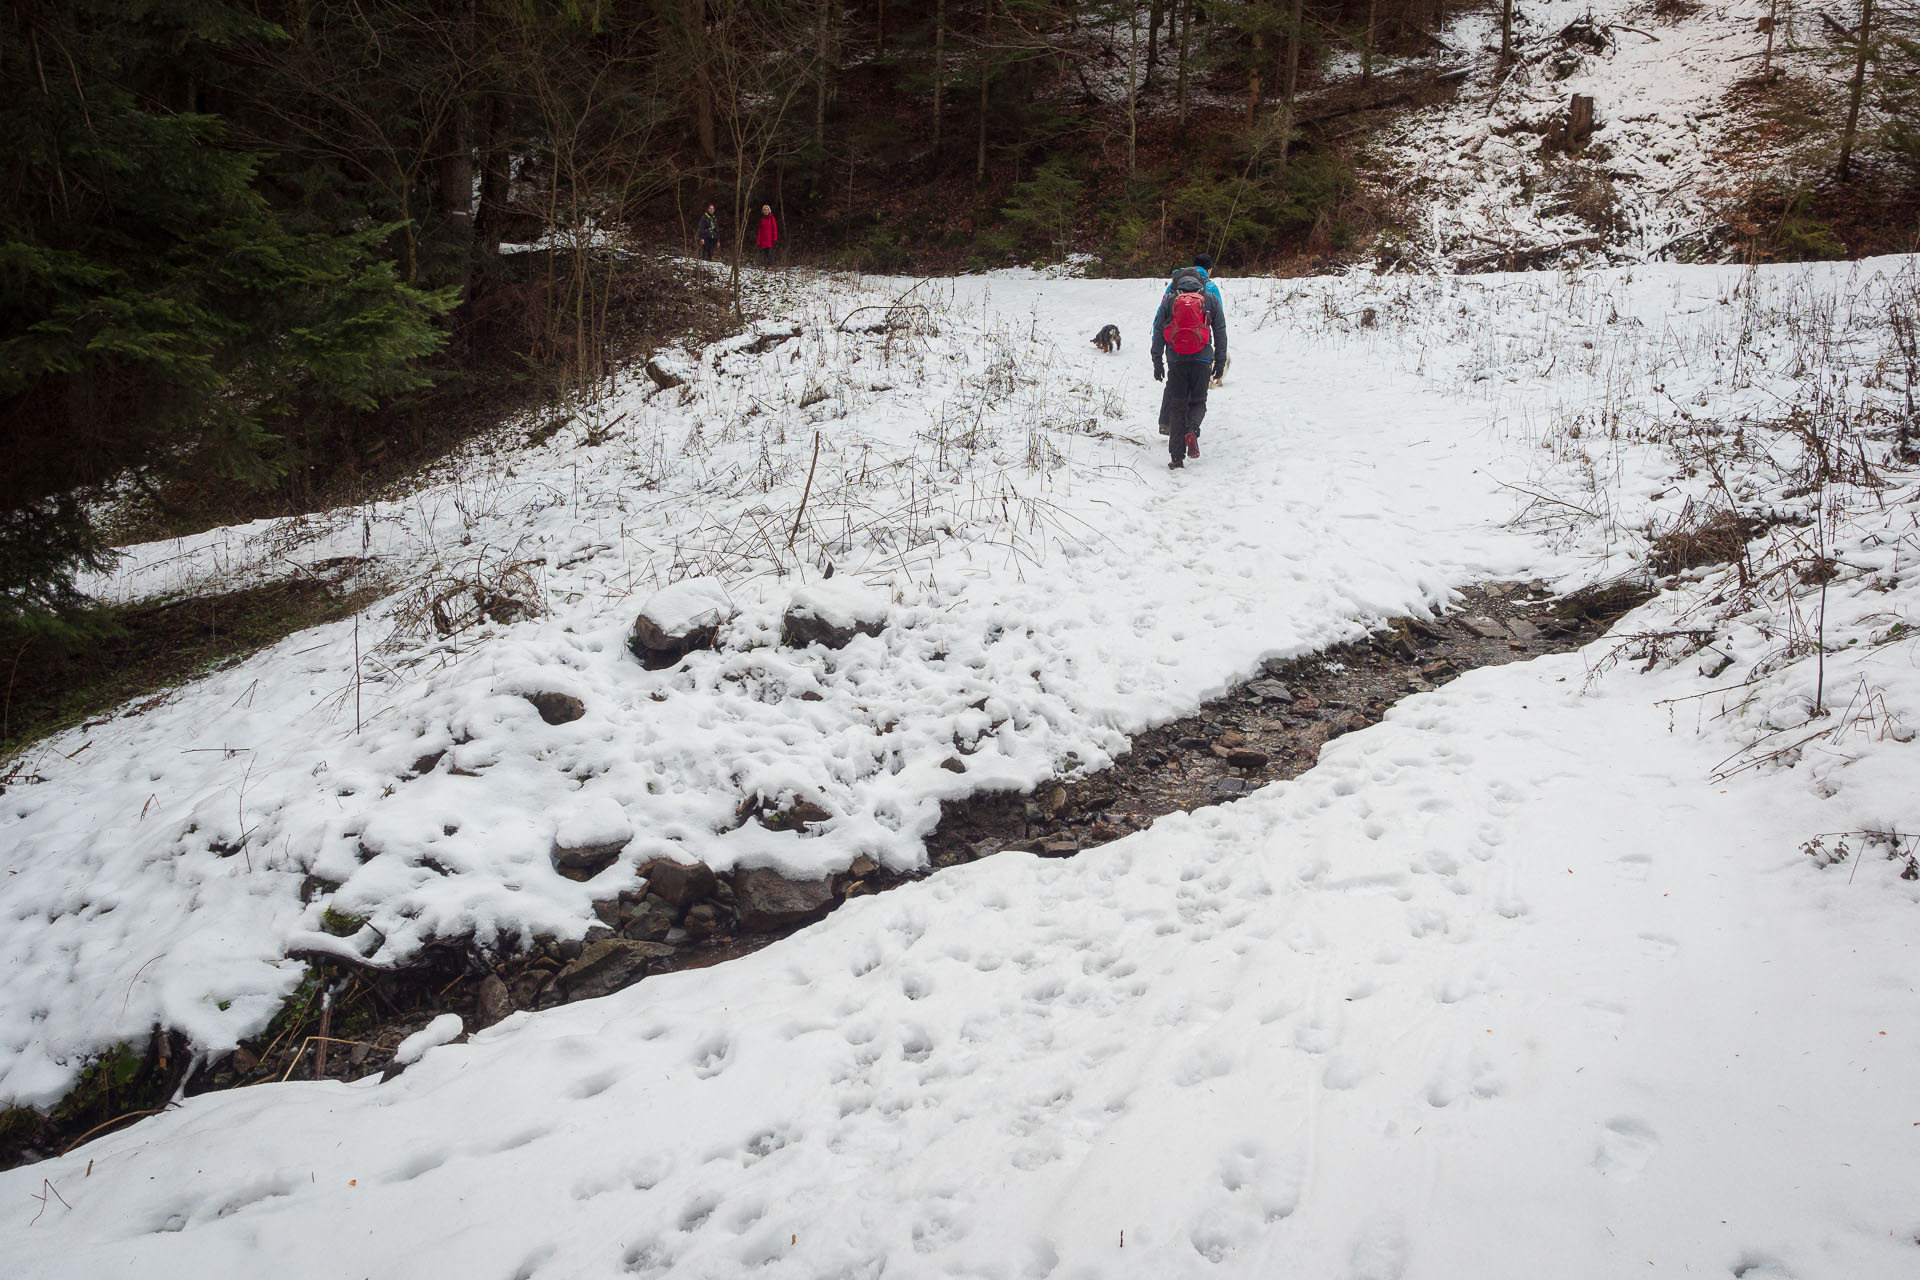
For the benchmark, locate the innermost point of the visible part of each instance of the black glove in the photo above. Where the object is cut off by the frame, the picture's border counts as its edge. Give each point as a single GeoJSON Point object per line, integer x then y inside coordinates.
{"type": "Point", "coordinates": [1159, 372]}
{"type": "Point", "coordinates": [1218, 373]}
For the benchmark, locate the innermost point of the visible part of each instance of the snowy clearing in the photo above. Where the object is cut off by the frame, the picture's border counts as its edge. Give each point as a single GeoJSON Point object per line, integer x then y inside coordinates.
{"type": "Point", "coordinates": [1535, 977]}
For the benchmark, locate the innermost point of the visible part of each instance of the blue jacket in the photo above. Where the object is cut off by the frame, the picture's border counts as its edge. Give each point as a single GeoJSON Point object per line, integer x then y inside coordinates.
{"type": "Point", "coordinates": [1216, 321]}
{"type": "Point", "coordinates": [1212, 288]}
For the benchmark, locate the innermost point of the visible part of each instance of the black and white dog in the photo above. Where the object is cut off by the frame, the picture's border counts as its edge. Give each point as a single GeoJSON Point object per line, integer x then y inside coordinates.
{"type": "Point", "coordinates": [1108, 339]}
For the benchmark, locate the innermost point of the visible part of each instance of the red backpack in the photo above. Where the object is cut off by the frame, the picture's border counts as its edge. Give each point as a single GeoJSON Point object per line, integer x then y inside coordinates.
{"type": "Point", "coordinates": [1188, 331]}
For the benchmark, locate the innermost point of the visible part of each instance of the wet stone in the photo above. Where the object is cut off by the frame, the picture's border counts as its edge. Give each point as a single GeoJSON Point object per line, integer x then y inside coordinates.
{"type": "Point", "coordinates": [650, 923]}
{"type": "Point", "coordinates": [767, 900]}
{"type": "Point", "coordinates": [492, 1001]}
{"type": "Point", "coordinates": [557, 708]}
{"type": "Point", "coordinates": [610, 964]}
{"type": "Point", "coordinates": [680, 883]}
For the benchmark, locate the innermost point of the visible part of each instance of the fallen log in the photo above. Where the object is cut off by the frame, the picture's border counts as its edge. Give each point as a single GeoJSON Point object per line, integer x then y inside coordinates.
{"type": "Point", "coordinates": [1386, 92]}
{"type": "Point", "coordinates": [1522, 257]}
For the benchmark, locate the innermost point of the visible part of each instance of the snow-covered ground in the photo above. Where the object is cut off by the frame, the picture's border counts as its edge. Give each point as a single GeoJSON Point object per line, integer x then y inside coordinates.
{"type": "Point", "coordinates": [1533, 978]}
{"type": "Point", "coordinates": [1003, 497]}
{"type": "Point", "coordinates": [1470, 171]}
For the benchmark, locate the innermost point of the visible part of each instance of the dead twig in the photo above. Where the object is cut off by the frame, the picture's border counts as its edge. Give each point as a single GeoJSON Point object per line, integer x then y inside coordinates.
{"type": "Point", "coordinates": [47, 1189]}
{"type": "Point", "coordinates": [108, 1124]}
{"type": "Point", "coordinates": [805, 493]}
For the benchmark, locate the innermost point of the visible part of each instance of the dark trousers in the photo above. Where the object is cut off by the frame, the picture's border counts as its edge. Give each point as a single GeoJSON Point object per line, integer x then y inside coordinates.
{"type": "Point", "coordinates": [766, 255]}
{"type": "Point", "coordinates": [1185, 401]}
{"type": "Point", "coordinates": [706, 248]}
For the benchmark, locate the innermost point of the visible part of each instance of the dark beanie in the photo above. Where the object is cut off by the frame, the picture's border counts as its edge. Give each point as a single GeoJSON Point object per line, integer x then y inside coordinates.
{"type": "Point", "coordinates": [1204, 261]}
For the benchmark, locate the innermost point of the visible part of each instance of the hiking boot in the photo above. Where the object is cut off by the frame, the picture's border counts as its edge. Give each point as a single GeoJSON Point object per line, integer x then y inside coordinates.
{"type": "Point", "coordinates": [1193, 445]}
{"type": "Point", "coordinates": [1174, 464]}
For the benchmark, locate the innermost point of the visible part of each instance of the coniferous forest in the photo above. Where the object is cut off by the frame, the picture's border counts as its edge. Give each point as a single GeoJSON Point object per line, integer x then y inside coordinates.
{"type": "Point", "coordinates": [255, 248]}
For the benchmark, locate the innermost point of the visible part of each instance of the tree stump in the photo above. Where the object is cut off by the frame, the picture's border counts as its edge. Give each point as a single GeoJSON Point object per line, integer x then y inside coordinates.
{"type": "Point", "coordinates": [1579, 122]}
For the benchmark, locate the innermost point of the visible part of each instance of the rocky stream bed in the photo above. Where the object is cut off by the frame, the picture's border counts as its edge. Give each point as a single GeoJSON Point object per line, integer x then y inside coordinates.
{"type": "Point", "coordinates": [346, 1021]}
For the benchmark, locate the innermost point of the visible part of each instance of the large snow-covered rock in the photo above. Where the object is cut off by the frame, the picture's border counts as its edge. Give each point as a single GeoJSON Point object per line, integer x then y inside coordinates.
{"type": "Point", "coordinates": [681, 618]}
{"type": "Point", "coordinates": [590, 837]}
{"type": "Point", "coordinates": [832, 613]}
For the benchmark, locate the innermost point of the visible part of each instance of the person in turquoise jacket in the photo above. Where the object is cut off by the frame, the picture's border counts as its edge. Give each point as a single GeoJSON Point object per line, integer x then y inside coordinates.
{"type": "Point", "coordinates": [1189, 344]}
{"type": "Point", "coordinates": [1203, 263]}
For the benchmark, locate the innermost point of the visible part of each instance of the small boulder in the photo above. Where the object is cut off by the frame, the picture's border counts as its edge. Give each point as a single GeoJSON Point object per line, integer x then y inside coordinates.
{"type": "Point", "coordinates": [590, 838]}
{"type": "Point", "coordinates": [681, 883]}
{"type": "Point", "coordinates": [609, 965]}
{"type": "Point", "coordinates": [667, 372]}
{"type": "Point", "coordinates": [767, 900]}
{"type": "Point", "coordinates": [832, 613]}
{"type": "Point", "coordinates": [702, 919]}
{"type": "Point", "coordinates": [652, 922]}
{"type": "Point", "coordinates": [492, 1001]}
{"type": "Point", "coordinates": [1247, 758]}
{"type": "Point", "coordinates": [679, 619]}
{"type": "Point", "coordinates": [1345, 722]}
{"type": "Point", "coordinates": [557, 708]}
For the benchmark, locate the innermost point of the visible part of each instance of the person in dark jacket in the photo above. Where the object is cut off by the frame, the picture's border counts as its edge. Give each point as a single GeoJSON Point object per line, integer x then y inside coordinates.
{"type": "Point", "coordinates": [769, 235]}
{"type": "Point", "coordinates": [1203, 263]}
{"type": "Point", "coordinates": [709, 233]}
{"type": "Point", "coordinates": [1176, 324]}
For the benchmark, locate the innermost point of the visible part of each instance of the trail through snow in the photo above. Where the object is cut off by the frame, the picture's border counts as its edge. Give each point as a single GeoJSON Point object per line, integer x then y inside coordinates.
{"type": "Point", "coordinates": [1037, 616]}
{"type": "Point", "coordinates": [1458, 1002]}
{"type": "Point", "coordinates": [1513, 984]}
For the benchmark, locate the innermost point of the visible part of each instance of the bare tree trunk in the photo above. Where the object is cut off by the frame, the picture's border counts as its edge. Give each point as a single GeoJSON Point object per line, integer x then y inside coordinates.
{"type": "Point", "coordinates": [490, 224]}
{"type": "Point", "coordinates": [829, 70]}
{"type": "Point", "coordinates": [1366, 49]}
{"type": "Point", "coordinates": [455, 167]}
{"type": "Point", "coordinates": [1133, 80]}
{"type": "Point", "coordinates": [1855, 90]}
{"type": "Point", "coordinates": [1773, 16]}
{"type": "Point", "coordinates": [879, 26]}
{"type": "Point", "coordinates": [986, 79]}
{"type": "Point", "coordinates": [1180, 92]}
{"type": "Point", "coordinates": [1154, 15]}
{"type": "Point", "coordinates": [939, 65]}
{"type": "Point", "coordinates": [1296, 28]}
{"type": "Point", "coordinates": [1253, 76]}
{"type": "Point", "coordinates": [1506, 33]}
{"type": "Point", "coordinates": [693, 13]}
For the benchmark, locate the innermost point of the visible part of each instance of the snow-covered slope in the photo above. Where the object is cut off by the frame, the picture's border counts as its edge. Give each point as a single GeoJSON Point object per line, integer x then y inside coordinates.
{"type": "Point", "coordinates": [1504, 989]}
{"type": "Point", "coordinates": [988, 475]}
{"type": "Point", "coordinates": [1536, 977]}
{"type": "Point", "coordinates": [1471, 173]}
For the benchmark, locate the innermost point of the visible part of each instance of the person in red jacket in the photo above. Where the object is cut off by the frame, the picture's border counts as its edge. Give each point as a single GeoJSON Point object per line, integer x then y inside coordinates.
{"type": "Point", "coordinates": [769, 234]}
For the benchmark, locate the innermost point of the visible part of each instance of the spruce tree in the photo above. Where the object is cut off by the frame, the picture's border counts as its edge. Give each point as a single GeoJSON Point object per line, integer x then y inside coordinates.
{"type": "Point", "coordinates": [157, 313]}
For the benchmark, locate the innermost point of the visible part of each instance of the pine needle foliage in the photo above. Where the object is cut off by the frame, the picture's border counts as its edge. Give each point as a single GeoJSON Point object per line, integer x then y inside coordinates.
{"type": "Point", "coordinates": [157, 312]}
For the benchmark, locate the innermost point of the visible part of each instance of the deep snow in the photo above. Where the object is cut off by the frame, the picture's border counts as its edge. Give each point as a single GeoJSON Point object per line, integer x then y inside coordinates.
{"type": "Point", "coordinates": [1530, 979]}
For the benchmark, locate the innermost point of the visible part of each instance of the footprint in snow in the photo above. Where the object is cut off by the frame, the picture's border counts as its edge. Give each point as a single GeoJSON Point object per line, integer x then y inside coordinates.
{"type": "Point", "coordinates": [1626, 1146]}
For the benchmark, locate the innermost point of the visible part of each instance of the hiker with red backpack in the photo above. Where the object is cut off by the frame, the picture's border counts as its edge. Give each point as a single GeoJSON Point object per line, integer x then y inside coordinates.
{"type": "Point", "coordinates": [1190, 335]}
{"type": "Point", "coordinates": [1203, 263]}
